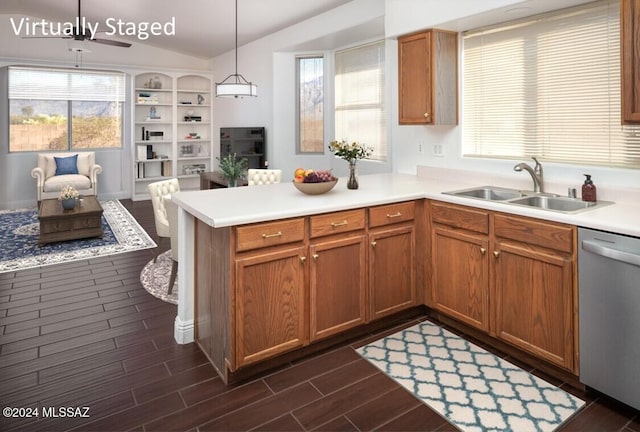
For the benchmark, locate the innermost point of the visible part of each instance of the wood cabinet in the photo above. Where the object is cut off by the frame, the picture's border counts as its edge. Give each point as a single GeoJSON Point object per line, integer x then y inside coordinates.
{"type": "Point", "coordinates": [269, 288]}
{"type": "Point", "coordinates": [461, 275]}
{"type": "Point", "coordinates": [337, 285]}
{"type": "Point", "coordinates": [510, 276]}
{"type": "Point", "coordinates": [534, 287]}
{"type": "Point", "coordinates": [392, 259]}
{"type": "Point", "coordinates": [270, 304]}
{"type": "Point", "coordinates": [630, 60]}
{"type": "Point", "coordinates": [428, 78]}
{"type": "Point", "coordinates": [460, 279]}
{"type": "Point", "coordinates": [337, 267]}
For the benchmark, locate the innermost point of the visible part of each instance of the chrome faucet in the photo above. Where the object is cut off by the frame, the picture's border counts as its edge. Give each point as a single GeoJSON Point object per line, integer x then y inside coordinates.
{"type": "Point", "coordinates": [536, 174]}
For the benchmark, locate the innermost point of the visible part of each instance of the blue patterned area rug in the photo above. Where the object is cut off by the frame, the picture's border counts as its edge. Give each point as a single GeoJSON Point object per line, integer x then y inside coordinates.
{"type": "Point", "coordinates": [472, 388]}
{"type": "Point", "coordinates": [20, 229]}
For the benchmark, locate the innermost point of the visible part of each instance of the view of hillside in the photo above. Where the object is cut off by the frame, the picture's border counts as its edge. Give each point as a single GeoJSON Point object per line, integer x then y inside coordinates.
{"type": "Point", "coordinates": [38, 125]}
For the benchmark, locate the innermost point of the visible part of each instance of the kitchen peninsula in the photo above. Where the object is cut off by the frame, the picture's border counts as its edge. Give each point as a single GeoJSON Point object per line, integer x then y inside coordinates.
{"type": "Point", "coordinates": [273, 270]}
{"type": "Point", "coordinates": [268, 270]}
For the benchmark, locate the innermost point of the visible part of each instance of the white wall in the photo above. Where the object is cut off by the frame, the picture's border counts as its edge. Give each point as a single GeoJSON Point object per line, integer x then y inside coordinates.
{"type": "Point", "coordinates": [270, 63]}
{"type": "Point", "coordinates": [412, 15]}
{"type": "Point", "coordinates": [18, 187]}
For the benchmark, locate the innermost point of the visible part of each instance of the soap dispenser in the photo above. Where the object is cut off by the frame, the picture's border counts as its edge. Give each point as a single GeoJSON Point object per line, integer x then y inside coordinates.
{"type": "Point", "coordinates": [588, 189]}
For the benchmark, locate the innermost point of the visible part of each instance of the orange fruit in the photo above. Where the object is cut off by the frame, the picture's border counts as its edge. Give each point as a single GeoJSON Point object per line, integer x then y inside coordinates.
{"type": "Point", "coordinates": [298, 172]}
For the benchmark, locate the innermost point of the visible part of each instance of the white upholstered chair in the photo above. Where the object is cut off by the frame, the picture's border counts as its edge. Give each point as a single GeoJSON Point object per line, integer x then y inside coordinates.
{"type": "Point", "coordinates": [49, 185]}
{"type": "Point", "coordinates": [263, 176]}
{"type": "Point", "coordinates": [158, 191]}
{"type": "Point", "coordinates": [172, 216]}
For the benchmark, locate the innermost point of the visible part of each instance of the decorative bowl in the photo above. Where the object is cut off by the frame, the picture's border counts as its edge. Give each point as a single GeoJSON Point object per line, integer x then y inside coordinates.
{"type": "Point", "coordinates": [315, 188]}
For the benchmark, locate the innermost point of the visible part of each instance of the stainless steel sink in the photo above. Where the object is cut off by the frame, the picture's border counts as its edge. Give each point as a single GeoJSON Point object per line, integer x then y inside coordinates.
{"type": "Point", "coordinates": [561, 204]}
{"type": "Point", "coordinates": [543, 201]}
{"type": "Point", "coordinates": [490, 193]}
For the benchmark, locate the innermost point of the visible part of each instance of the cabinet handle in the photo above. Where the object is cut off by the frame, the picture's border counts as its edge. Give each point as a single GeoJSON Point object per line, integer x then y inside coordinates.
{"type": "Point", "coordinates": [483, 250]}
{"type": "Point", "coordinates": [496, 254]}
{"type": "Point", "coordinates": [374, 243]}
{"type": "Point", "coordinates": [395, 215]}
{"type": "Point", "coordinates": [266, 236]}
{"type": "Point", "coordinates": [303, 259]}
{"type": "Point", "coordinates": [339, 224]}
{"type": "Point", "coordinates": [315, 256]}
{"type": "Point", "coordinates": [426, 115]}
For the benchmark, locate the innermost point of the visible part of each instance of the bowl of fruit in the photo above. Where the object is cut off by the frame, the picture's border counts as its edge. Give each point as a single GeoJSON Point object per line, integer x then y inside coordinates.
{"type": "Point", "coordinates": [313, 182]}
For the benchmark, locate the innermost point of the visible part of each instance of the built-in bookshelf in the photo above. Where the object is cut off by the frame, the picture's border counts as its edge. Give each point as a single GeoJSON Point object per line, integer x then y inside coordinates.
{"type": "Point", "coordinates": [171, 129]}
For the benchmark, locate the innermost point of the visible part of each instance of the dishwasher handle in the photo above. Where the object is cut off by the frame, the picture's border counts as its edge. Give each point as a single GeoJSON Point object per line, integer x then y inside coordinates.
{"type": "Point", "coordinates": [614, 254]}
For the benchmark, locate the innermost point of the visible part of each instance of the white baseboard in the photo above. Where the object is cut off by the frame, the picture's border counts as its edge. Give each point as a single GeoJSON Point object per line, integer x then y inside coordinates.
{"type": "Point", "coordinates": [183, 331]}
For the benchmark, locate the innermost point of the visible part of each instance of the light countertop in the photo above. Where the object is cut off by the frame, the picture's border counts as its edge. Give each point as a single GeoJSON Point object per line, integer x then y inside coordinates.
{"type": "Point", "coordinates": [243, 205]}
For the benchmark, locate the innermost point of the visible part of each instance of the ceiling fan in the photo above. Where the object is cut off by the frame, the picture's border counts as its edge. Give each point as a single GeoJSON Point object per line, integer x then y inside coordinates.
{"type": "Point", "coordinates": [81, 34]}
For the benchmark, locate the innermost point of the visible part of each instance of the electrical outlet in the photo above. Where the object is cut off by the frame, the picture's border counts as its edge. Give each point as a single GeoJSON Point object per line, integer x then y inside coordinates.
{"type": "Point", "coordinates": [437, 150]}
{"type": "Point", "coordinates": [420, 148]}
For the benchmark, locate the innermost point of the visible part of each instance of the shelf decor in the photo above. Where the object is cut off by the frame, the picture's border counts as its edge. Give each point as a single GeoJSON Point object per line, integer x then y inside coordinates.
{"type": "Point", "coordinates": [351, 153]}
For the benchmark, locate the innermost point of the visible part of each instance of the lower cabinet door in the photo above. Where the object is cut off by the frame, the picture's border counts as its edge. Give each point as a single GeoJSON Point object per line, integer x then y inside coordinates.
{"type": "Point", "coordinates": [461, 276]}
{"type": "Point", "coordinates": [270, 304]}
{"type": "Point", "coordinates": [392, 271]}
{"type": "Point", "coordinates": [337, 283]}
{"type": "Point", "coordinates": [534, 302]}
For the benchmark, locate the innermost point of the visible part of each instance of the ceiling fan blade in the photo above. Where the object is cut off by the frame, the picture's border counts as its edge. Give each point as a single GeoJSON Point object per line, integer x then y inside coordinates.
{"type": "Point", "coordinates": [111, 42]}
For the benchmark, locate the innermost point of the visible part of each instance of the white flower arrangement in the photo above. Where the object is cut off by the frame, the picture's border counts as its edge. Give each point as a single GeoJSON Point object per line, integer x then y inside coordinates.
{"type": "Point", "coordinates": [68, 192]}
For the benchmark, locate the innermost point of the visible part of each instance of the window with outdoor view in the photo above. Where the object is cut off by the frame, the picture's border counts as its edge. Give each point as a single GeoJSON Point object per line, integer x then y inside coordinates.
{"type": "Point", "coordinates": [360, 97]}
{"type": "Point", "coordinates": [549, 86]}
{"type": "Point", "coordinates": [310, 104]}
{"type": "Point", "coordinates": [57, 109]}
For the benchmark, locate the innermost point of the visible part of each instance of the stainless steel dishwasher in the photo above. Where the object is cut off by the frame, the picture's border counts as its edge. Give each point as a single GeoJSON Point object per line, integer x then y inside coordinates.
{"type": "Point", "coordinates": [609, 314]}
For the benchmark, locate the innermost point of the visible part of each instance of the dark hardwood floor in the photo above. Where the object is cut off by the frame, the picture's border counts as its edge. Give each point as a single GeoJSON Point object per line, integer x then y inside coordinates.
{"type": "Point", "coordinates": [86, 334]}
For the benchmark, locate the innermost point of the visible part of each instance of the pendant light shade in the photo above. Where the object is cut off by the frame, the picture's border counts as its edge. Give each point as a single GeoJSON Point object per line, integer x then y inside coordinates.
{"type": "Point", "coordinates": [235, 85]}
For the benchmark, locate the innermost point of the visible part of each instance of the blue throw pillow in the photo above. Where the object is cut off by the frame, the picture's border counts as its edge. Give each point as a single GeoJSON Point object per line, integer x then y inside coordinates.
{"type": "Point", "coordinates": [66, 165]}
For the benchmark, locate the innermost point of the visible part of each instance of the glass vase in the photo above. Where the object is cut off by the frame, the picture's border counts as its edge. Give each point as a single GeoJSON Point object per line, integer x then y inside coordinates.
{"type": "Point", "coordinates": [353, 180]}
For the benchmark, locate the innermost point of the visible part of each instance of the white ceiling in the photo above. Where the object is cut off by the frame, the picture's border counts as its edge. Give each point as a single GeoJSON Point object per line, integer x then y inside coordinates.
{"type": "Point", "coordinates": [204, 28]}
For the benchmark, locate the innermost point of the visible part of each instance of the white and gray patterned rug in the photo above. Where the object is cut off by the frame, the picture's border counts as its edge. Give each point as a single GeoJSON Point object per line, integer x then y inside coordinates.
{"type": "Point", "coordinates": [20, 229]}
{"type": "Point", "coordinates": [155, 276]}
{"type": "Point", "coordinates": [474, 389]}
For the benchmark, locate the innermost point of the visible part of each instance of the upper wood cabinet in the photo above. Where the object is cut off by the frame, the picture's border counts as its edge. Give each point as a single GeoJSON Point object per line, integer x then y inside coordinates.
{"type": "Point", "coordinates": [428, 78]}
{"type": "Point", "coordinates": [630, 55]}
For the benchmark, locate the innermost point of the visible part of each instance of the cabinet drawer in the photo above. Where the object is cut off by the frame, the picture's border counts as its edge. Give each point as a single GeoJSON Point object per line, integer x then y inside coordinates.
{"type": "Point", "coordinates": [269, 234]}
{"type": "Point", "coordinates": [460, 217]}
{"type": "Point", "coordinates": [334, 223]}
{"type": "Point", "coordinates": [390, 214]}
{"type": "Point", "coordinates": [546, 234]}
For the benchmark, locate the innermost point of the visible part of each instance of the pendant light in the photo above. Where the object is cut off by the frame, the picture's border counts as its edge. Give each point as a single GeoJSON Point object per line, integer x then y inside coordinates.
{"type": "Point", "coordinates": [235, 85]}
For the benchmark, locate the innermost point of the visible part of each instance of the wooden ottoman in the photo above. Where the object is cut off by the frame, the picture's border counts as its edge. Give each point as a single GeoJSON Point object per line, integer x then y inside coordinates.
{"type": "Point", "coordinates": [57, 224]}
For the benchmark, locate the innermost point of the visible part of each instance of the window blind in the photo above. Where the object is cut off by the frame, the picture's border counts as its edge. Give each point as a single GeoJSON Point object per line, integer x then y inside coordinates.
{"type": "Point", "coordinates": [549, 86]}
{"type": "Point", "coordinates": [360, 113]}
{"type": "Point", "coordinates": [61, 84]}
